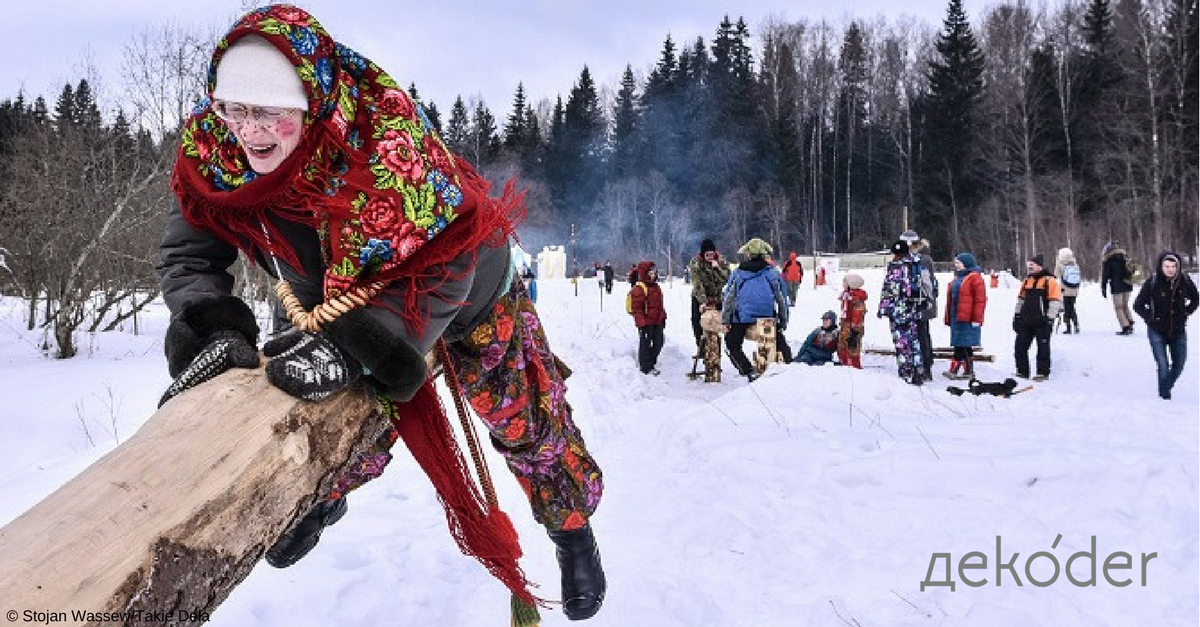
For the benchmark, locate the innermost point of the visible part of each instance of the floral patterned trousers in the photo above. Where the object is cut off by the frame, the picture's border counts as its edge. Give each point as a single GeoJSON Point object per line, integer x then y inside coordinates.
{"type": "Point", "coordinates": [516, 384]}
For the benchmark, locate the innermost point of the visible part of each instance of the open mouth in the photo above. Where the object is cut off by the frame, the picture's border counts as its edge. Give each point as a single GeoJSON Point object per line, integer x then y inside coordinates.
{"type": "Point", "coordinates": [262, 152]}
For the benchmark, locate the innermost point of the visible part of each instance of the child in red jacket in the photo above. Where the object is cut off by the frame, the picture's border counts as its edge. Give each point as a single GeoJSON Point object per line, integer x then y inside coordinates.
{"type": "Point", "coordinates": [854, 310]}
{"type": "Point", "coordinates": [646, 305]}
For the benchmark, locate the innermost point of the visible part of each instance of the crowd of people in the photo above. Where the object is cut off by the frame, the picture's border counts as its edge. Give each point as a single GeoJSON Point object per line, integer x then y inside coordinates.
{"type": "Point", "coordinates": [389, 248]}
{"type": "Point", "coordinates": [758, 288]}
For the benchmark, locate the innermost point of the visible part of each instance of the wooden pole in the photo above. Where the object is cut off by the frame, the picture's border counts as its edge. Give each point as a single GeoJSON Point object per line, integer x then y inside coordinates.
{"type": "Point", "coordinates": [174, 518]}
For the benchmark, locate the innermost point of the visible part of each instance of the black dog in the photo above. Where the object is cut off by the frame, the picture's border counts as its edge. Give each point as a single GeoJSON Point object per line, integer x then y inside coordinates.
{"type": "Point", "coordinates": [1004, 389]}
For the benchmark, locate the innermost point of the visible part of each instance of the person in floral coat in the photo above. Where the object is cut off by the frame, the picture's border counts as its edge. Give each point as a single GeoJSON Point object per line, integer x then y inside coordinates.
{"type": "Point", "coordinates": [854, 313]}
{"type": "Point", "coordinates": [901, 304]}
{"type": "Point", "coordinates": [313, 162]}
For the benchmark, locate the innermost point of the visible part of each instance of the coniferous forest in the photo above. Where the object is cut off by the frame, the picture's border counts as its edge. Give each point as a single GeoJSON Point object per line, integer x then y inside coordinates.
{"type": "Point", "coordinates": [1030, 129]}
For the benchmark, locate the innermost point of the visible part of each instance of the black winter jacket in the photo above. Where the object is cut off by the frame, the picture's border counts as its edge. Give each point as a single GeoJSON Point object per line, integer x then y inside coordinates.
{"type": "Point", "coordinates": [1165, 304]}
{"type": "Point", "coordinates": [1112, 273]}
{"type": "Point", "coordinates": [194, 272]}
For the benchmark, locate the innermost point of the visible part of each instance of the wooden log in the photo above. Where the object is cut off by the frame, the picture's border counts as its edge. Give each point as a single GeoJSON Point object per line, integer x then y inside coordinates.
{"type": "Point", "coordinates": [938, 353]}
{"type": "Point", "coordinates": [174, 518]}
{"type": "Point", "coordinates": [767, 353]}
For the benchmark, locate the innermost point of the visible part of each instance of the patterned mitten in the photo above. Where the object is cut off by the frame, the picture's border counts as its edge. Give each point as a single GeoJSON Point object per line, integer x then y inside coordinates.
{"type": "Point", "coordinates": [309, 366]}
{"type": "Point", "coordinates": [225, 350]}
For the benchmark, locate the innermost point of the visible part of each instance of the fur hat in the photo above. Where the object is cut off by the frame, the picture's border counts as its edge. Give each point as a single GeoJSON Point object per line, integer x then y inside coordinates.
{"type": "Point", "coordinates": [707, 245]}
{"type": "Point", "coordinates": [853, 281]}
{"type": "Point", "coordinates": [756, 247]}
{"type": "Point", "coordinates": [254, 72]}
{"type": "Point", "coordinates": [1065, 255]}
{"type": "Point", "coordinates": [900, 247]}
{"type": "Point", "coordinates": [1038, 260]}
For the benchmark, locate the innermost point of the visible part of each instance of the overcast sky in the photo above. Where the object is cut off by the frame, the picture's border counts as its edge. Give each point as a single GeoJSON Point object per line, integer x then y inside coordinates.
{"type": "Point", "coordinates": [447, 47]}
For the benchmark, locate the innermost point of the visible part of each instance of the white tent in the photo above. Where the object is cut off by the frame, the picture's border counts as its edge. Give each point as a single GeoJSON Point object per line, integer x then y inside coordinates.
{"type": "Point", "coordinates": [552, 263]}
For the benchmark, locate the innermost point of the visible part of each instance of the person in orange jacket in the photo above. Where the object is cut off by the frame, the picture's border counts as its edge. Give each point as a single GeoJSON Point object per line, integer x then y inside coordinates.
{"type": "Point", "coordinates": [1037, 307]}
{"type": "Point", "coordinates": [793, 274]}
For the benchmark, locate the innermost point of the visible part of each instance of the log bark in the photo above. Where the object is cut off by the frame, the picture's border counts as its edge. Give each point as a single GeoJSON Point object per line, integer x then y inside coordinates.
{"type": "Point", "coordinates": [939, 352]}
{"type": "Point", "coordinates": [173, 519]}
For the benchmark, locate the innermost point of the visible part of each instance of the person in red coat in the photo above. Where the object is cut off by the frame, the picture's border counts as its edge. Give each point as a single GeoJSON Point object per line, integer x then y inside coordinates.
{"type": "Point", "coordinates": [966, 299]}
{"type": "Point", "coordinates": [793, 273]}
{"type": "Point", "coordinates": [646, 305]}
{"type": "Point", "coordinates": [854, 312]}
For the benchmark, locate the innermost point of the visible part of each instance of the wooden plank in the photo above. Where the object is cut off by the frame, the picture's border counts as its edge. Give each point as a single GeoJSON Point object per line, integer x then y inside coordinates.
{"type": "Point", "coordinates": [175, 517]}
{"type": "Point", "coordinates": [938, 353]}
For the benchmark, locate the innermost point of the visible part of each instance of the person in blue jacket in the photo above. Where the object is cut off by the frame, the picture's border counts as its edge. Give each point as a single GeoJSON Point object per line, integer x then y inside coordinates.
{"type": "Point", "coordinates": [821, 344]}
{"type": "Point", "coordinates": [754, 290]}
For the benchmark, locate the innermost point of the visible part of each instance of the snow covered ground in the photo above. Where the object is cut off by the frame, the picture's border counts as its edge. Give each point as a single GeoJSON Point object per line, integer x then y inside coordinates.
{"type": "Point", "coordinates": [815, 496]}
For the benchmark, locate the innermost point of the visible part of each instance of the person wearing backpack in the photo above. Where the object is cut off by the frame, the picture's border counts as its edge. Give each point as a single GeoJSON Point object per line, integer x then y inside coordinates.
{"type": "Point", "coordinates": [1038, 304]}
{"type": "Point", "coordinates": [755, 290]}
{"type": "Point", "coordinates": [901, 304]}
{"type": "Point", "coordinates": [929, 308]}
{"type": "Point", "coordinates": [1067, 271]}
{"type": "Point", "coordinates": [1164, 303]}
{"type": "Point", "coordinates": [645, 304]}
{"type": "Point", "coordinates": [1115, 277]}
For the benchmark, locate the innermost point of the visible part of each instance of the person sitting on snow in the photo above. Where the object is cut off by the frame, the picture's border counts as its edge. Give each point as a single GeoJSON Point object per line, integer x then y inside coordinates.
{"type": "Point", "coordinates": [820, 345]}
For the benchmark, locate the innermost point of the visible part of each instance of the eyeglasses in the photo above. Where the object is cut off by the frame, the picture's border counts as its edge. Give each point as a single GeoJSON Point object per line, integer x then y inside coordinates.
{"type": "Point", "coordinates": [237, 114]}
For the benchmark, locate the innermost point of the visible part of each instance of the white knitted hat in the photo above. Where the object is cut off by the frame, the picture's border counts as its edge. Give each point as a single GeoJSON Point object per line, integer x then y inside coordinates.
{"type": "Point", "coordinates": [254, 72]}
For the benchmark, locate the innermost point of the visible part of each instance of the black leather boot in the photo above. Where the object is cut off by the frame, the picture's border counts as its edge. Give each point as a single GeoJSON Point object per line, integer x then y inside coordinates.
{"type": "Point", "coordinates": [583, 583]}
{"type": "Point", "coordinates": [296, 542]}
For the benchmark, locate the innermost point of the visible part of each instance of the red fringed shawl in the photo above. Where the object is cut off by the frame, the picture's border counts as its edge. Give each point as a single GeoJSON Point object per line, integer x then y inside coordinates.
{"type": "Point", "coordinates": [389, 201]}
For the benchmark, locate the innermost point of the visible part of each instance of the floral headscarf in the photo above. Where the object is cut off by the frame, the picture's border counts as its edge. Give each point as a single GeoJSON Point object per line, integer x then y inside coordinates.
{"type": "Point", "coordinates": [371, 173]}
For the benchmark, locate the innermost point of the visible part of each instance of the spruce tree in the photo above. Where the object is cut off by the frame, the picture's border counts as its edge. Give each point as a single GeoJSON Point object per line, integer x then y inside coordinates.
{"type": "Point", "coordinates": [532, 151]}
{"type": "Point", "coordinates": [851, 130]}
{"type": "Point", "coordinates": [435, 116]}
{"type": "Point", "coordinates": [955, 84]}
{"type": "Point", "coordinates": [484, 139]}
{"type": "Point", "coordinates": [660, 147]}
{"type": "Point", "coordinates": [625, 126]}
{"type": "Point", "coordinates": [122, 136]}
{"type": "Point", "coordinates": [458, 130]}
{"type": "Point", "coordinates": [514, 128]}
{"type": "Point", "coordinates": [40, 112]}
{"type": "Point", "coordinates": [85, 112]}
{"type": "Point", "coordinates": [584, 135]}
{"type": "Point", "coordinates": [64, 108]}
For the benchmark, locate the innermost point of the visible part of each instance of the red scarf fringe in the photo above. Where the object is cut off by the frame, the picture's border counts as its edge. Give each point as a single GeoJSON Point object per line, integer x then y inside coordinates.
{"type": "Point", "coordinates": [481, 531]}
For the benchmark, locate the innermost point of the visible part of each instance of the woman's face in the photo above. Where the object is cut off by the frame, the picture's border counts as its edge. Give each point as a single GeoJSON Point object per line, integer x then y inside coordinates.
{"type": "Point", "coordinates": [1169, 268]}
{"type": "Point", "coordinates": [268, 135]}
{"type": "Point", "coordinates": [958, 264]}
